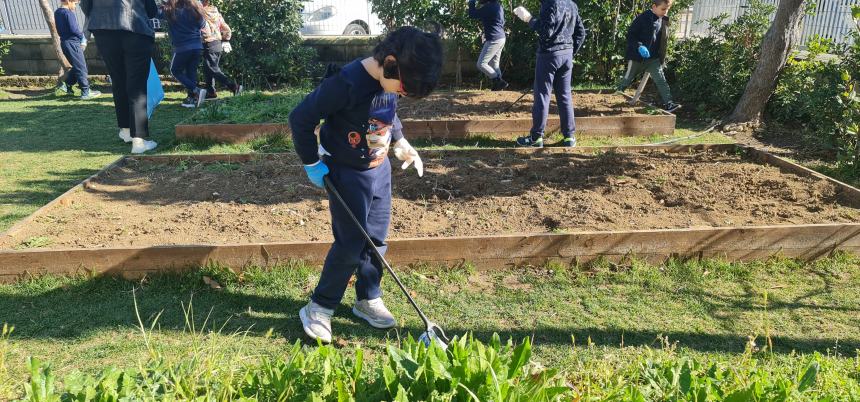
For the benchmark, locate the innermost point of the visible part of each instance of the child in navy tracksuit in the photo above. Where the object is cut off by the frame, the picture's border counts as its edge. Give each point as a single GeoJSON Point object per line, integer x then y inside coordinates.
{"type": "Point", "coordinates": [72, 43]}
{"type": "Point", "coordinates": [647, 42]}
{"type": "Point", "coordinates": [186, 19]}
{"type": "Point", "coordinates": [492, 17]}
{"type": "Point", "coordinates": [560, 36]}
{"type": "Point", "coordinates": [358, 104]}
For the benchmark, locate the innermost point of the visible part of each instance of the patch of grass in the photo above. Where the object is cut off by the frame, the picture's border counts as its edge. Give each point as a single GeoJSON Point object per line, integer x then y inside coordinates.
{"type": "Point", "coordinates": [49, 143]}
{"type": "Point", "coordinates": [598, 321]}
{"type": "Point", "coordinates": [251, 107]}
{"type": "Point", "coordinates": [35, 242]}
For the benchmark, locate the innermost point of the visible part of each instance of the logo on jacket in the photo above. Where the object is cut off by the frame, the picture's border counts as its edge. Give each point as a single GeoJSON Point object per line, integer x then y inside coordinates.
{"type": "Point", "coordinates": [354, 139]}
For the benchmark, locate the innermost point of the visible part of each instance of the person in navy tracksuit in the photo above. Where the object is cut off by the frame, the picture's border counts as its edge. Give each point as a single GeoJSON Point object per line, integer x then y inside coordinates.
{"type": "Point", "coordinates": [561, 34]}
{"type": "Point", "coordinates": [647, 44]}
{"type": "Point", "coordinates": [359, 105]}
{"type": "Point", "coordinates": [72, 43]}
{"type": "Point", "coordinates": [492, 17]}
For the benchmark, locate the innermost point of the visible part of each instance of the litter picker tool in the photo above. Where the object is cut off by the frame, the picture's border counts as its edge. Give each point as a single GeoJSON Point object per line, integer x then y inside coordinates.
{"type": "Point", "coordinates": [433, 332]}
{"type": "Point", "coordinates": [641, 88]}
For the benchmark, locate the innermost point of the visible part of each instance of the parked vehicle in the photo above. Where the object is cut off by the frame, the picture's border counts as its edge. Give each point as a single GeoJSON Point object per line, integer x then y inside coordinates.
{"type": "Point", "coordinates": [339, 17]}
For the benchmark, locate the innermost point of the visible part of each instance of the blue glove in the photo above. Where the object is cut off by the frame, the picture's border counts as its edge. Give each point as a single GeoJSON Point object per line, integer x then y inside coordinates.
{"type": "Point", "coordinates": [316, 172]}
{"type": "Point", "coordinates": [643, 51]}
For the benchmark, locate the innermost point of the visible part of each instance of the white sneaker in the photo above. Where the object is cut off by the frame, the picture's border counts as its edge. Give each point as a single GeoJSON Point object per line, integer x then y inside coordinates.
{"type": "Point", "coordinates": [316, 320]}
{"type": "Point", "coordinates": [374, 312]}
{"type": "Point", "coordinates": [139, 145]}
{"type": "Point", "coordinates": [125, 134]}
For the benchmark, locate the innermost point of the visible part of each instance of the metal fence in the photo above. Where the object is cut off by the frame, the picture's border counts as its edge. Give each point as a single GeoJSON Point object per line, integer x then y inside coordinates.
{"type": "Point", "coordinates": [24, 17]}
{"type": "Point", "coordinates": [831, 18]}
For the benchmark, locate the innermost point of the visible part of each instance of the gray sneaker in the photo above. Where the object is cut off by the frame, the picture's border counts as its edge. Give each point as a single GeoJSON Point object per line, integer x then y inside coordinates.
{"type": "Point", "coordinates": [316, 320]}
{"type": "Point", "coordinates": [374, 312]}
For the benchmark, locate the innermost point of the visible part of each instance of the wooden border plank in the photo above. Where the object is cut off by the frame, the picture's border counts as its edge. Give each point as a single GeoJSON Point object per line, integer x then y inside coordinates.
{"type": "Point", "coordinates": [594, 126]}
{"type": "Point", "coordinates": [738, 243]}
{"type": "Point", "coordinates": [805, 242]}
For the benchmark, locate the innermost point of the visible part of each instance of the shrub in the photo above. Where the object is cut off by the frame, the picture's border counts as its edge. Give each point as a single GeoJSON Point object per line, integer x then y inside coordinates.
{"type": "Point", "coordinates": [4, 50]}
{"type": "Point", "coordinates": [712, 71]}
{"type": "Point", "coordinates": [600, 61]}
{"type": "Point", "coordinates": [267, 47]}
{"type": "Point", "coordinates": [819, 94]}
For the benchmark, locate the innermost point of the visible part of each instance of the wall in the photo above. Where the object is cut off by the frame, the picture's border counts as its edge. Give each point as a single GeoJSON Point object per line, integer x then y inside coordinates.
{"type": "Point", "coordinates": [34, 55]}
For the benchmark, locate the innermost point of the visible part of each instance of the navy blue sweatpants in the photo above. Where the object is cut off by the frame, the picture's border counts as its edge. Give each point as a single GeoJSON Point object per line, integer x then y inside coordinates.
{"type": "Point", "coordinates": [184, 68]}
{"type": "Point", "coordinates": [75, 55]}
{"type": "Point", "coordinates": [368, 194]}
{"type": "Point", "coordinates": [552, 73]}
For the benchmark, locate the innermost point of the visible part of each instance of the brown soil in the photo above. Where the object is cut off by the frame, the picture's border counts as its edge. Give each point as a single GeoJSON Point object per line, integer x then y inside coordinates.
{"type": "Point", "coordinates": [461, 194]}
{"type": "Point", "coordinates": [461, 105]}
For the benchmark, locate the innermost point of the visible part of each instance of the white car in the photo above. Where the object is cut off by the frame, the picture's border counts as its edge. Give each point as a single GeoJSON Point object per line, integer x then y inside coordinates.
{"type": "Point", "coordinates": [339, 17]}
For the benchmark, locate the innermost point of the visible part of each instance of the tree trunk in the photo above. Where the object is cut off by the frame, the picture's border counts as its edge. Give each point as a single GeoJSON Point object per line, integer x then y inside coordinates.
{"type": "Point", "coordinates": [49, 18]}
{"type": "Point", "coordinates": [775, 49]}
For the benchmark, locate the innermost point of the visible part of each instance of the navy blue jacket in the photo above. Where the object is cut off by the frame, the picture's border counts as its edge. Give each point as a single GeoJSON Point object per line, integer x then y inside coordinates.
{"type": "Point", "coordinates": [346, 100]}
{"type": "Point", "coordinates": [650, 31]}
{"type": "Point", "coordinates": [559, 26]}
{"type": "Point", "coordinates": [185, 30]}
{"type": "Point", "coordinates": [492, 16]}
{"type": "Point", "coordinates": [67, 25]}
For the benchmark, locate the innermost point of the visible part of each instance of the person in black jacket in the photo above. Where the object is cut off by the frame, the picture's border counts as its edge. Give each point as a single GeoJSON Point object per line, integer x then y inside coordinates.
{"type": "Point", "coordinates": [647, 43]}
{"type": "Point", "coordinates": [492, 17]}
{"type": "Point", "coordinates": [125, 38]}
{"type": "Point", "coordinates": [560, 36]}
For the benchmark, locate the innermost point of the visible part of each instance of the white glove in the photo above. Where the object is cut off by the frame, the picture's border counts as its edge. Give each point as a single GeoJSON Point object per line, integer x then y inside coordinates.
{"type": "Point", "coordinates": [405, 152]}
{"type": "Point", "coordinates": [226, 47]}
{"type": "Point", "coordinates": [83, 43]}
{"type": "Point", "coordinates": [523, 14]}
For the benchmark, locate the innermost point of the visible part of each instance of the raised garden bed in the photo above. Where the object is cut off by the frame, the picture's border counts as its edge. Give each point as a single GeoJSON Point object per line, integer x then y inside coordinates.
{"type": "Point", "coordinates": [452, 115]}
{"type": "Point", "coordinates": [491, 207]}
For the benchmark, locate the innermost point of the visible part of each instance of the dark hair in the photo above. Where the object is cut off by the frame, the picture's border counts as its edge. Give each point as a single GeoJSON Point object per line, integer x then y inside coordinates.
{"type": "Point", "coordinates": [193, 6]}
{"type": "Point", "coordinates": [419, 59]}
{"type": "Point", "coordinates": [660, 2]}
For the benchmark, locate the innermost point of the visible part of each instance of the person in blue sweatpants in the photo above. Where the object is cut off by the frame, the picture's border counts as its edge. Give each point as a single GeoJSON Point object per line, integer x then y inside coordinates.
{"type": "Point", "coordinates": [561, 34]}
{"type": "Point", "coordinates": [72, 43]}
{"type": "Point", "coordinates": [186, 19]}
{"type": "Point", "coordinates": [359, 106]}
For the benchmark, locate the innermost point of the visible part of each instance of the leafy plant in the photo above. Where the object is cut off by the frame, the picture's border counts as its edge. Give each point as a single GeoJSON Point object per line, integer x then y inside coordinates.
{"type": "Point", "coordinates": [600, 61]}
{"type": "Point", "coordinates": [712, 71]}
{"type": "Point", "coordinates": [267, 47]}
{"type": "Point", "coordinates": [4, 50]}
{"type": "Point", "coordinates": [819, 93]}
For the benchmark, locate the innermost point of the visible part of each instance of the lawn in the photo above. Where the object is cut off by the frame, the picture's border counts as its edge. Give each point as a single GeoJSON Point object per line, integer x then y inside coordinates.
{"type": "Point", "coordinates": [597, 323]}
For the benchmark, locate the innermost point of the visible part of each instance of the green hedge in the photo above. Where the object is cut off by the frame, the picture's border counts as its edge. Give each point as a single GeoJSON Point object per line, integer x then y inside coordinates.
{"type": "Point", "coordinates": [601, 60]}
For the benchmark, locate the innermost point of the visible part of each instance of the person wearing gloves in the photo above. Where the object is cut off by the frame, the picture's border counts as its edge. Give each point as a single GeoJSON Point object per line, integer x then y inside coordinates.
{"type": "Point", "coordinates": [216, 40]}
{"type": "Point", "coordinates": [125, 39]}
{"type": "Point", "coordinates": [72, 43]}
{"type": "Point", "coordinates": [492, 16]}
{"type": "Point", "coordinates": [186, 20]}
{"type": "Point", "coordinates": [359, 104]}
{"type": "Point", "coordinates": [560, 36]}
{"type": "Point", "coordinates": [647, 42]}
